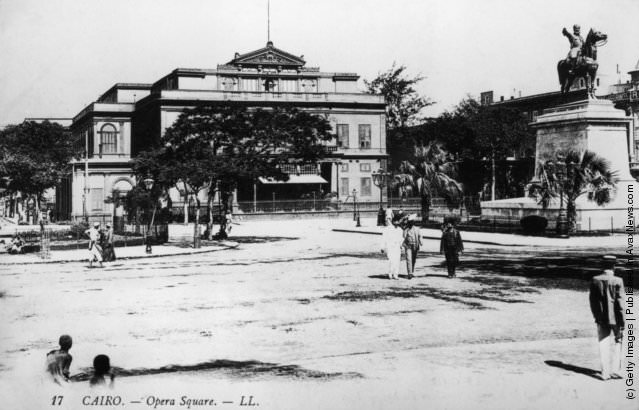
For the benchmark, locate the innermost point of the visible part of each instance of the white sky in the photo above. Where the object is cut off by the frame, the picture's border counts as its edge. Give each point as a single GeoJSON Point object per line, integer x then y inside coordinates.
{"type": "Point", "coordinates": [56, 56]}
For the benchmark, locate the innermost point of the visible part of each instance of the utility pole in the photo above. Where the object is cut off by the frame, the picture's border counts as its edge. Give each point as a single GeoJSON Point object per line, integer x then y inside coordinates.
{"type": "Point", "coordinates": [86, 177]}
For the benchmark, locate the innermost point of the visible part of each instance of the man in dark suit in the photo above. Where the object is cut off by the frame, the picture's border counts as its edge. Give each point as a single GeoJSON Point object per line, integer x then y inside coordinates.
{"type": "Point", "coordinates": [607, 306]}
{"type": "Point", "coordinates": [451, 245]}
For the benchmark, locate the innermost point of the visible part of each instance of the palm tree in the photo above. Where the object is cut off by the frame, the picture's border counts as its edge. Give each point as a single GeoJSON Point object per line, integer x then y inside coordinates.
{"type": "Point", "coordinates": [571, 175]}
{"type": "Point", "coordinates": [431, 173]}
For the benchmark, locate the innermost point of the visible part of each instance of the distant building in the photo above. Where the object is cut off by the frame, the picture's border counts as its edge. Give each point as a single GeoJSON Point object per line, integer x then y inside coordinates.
{"type": "Point", "coordinates": [626, 97]}
{"type": "Point", "coordinates": [534, 105]}
{"type": "Point", "coordinates": [127, 118]}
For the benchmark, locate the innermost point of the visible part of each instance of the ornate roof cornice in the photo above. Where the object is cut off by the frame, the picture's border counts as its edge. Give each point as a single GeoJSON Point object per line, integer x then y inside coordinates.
{"type": "Point", "coordinates": [268, 56]}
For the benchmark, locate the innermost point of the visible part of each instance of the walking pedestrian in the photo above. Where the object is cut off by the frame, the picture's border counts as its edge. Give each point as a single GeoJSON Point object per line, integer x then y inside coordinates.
{"type": "Point", "coordinates": [392, 239]}
{"type": "Point", "coordinates": [228, 222]}
{"type": "Point", "coordinates": [95, 252]}
{"type": "Point", "coordinates": [106, 242]}
{"type": "Point", "coordinates": [607, 306]}
{"type": "Point", "coordinates": [451, 246]}
{"type": "Point", "coordinates": [59, 361]}
{"type": "Point", "coordinates": [412, 244]}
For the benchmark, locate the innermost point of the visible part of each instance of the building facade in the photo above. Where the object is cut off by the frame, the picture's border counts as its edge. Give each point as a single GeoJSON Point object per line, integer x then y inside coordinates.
{"type": "Point", "coordinates": [625, 96]}
{"type": "Point", "coordinates": [127, 118]}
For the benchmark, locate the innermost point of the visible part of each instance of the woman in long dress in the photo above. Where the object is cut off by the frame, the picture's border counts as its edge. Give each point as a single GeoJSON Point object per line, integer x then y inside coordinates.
{"type": "Point", "coordinates": [392, 239]}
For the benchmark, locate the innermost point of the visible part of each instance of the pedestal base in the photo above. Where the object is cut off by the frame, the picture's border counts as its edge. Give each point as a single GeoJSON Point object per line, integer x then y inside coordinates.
{"type": "Point", "coordinates": [616, 215]}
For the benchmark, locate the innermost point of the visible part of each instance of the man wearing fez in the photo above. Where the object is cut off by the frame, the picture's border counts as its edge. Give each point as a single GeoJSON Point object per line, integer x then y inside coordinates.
{"type": "Point", "coordinates": [607, 305]}
{"type": "Point", "coordinates": [451, 245]}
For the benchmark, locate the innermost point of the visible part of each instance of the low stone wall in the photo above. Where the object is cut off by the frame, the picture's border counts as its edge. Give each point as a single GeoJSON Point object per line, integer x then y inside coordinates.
{"type": "Point", "coordinates": [181, 233]}
{"type": "Point", "coordinates": [590, 217]}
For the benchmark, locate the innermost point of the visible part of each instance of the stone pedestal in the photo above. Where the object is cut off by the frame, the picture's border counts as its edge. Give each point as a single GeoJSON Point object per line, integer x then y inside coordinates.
{"type": "Point", "coordinates": [593, 125]}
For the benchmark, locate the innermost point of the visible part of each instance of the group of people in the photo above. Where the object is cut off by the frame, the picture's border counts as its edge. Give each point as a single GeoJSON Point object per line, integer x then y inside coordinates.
{"type": "Point", "coordinates": [16, 245]}
{"type": "Point", "coordinates": [58, 363]}
{"type": "Point", "coordinates": [402, 235]}
{"type": "Point", "coordinates": [100, 244]}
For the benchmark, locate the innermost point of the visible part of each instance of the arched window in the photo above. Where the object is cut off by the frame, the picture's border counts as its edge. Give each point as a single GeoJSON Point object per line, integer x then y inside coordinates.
{"type": "Point", "coordinates": [108, 139]}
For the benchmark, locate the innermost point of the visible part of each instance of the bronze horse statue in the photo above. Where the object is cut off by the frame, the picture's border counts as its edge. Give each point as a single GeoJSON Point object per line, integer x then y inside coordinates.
{"type": "Point", "coordinates": [586, 64]}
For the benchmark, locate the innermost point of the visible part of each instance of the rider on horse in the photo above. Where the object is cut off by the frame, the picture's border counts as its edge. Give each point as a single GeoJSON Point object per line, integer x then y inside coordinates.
{"type": "Point", "coordinates": [576, 44]}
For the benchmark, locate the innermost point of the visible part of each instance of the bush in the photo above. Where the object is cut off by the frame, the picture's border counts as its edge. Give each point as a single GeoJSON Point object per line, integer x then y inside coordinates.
{"type": "Point", "coordinates": [533, 224]}
{"type": "Point", "coordinates": [453, 219]}
{"type": "Point", "coordinates": [78, 228]}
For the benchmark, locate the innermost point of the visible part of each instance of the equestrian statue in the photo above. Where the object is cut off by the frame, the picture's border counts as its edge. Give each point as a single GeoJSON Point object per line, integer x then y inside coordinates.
{"type": "Point", "coordinates": [581, 60]}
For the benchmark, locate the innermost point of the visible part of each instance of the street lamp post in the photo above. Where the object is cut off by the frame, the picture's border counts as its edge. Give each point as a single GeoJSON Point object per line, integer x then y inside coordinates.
{"type": "Point", "coordinates": [148, 184]}
{"type": "Point", "coordinates": [380, 179]}
{"type": "Point", "coordinates": [562, 219]}
{"type": "Point", "coordinates": [355, 210]}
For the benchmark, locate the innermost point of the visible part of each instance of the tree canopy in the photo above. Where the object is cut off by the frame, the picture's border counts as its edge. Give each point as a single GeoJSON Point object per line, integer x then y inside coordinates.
{"type": "Point", "coordinates": [475, 131]}
{"type": "Point", "coordinates": [225, 144]}
{"type": "Point", "coordinates": [572, 174]}
{"type": "Point", "coordinates": [403, 109]}
{"type": "Point", "coordinates": [35, 156]}
{"type": "Point", "coordinates": [403, 102]}
{"type": "Point", "coordinates": [432, 172]}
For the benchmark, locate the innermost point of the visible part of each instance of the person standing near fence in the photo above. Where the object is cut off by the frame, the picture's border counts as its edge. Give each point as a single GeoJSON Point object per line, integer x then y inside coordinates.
{"type": "Point", "coordinates": [451, 245]}
{"type": "Point", "coordinates": [412, 244]}
{"type": "Point", "coordinates": [95, 252]}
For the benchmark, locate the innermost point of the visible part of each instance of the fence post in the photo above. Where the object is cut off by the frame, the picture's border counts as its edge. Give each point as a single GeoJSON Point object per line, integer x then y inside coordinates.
{"type": "Point", "coordinates": [612, 226]}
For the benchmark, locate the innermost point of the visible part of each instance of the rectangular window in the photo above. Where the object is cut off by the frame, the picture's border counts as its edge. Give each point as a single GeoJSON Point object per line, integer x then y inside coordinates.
{"type": "Point", "coordinates": [365, 185]}
{"type": "Point", "coordinates": [249, 84]}
{"type": "Point", "coordinates": [364, 135]}
{"type": "Point", "coordinates": [342, 135]}
{"type": "Point", "coordinates": [365, 167]}
{"type": "Point", "coordinates": [343, 187]}
{"type": "Point", "coordinates": [97, 199]}
{"type": "Point", "coordinates": [343, 168]}
{"type": "Point", "coordinates": [288, 86]}
{"type": "Point", "coordinates": [108, 142]}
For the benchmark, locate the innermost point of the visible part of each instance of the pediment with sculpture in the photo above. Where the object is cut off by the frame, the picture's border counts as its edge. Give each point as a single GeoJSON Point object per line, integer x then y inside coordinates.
{"type": "Point", "coordinates": [268, 56]}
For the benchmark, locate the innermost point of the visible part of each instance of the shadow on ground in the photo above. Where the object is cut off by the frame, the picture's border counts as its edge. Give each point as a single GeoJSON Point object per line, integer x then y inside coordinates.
{"type": "Point", "coordinates": [576, 369]}
{"type": "Point", "coordinates": [468, 298]}
{"type": "Point", "coordinates": [229, 368]}
{"type": "Point", "coordinates": [571, 271]}
{"type": "Point", "coordinates": [261, 239]}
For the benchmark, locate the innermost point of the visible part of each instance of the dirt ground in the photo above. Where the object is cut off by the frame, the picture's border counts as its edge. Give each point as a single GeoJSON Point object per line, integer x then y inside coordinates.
{"type": "Point", "coordinates": [299, 316]}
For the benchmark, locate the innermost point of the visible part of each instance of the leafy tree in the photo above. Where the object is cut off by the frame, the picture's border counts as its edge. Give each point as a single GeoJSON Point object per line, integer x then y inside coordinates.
{"type": "Point", "coordinates": [219, 146]}
{"type": "Point", "coordinates": [403, 108]}
{"type": "Point", "coordinates": [571, 175]}
{"type": "Point", "coordinates": [35, 157]}
{"type": "Point", "coordinates": [473, 132]}
{"type": "Point", "coordinates": [432, 173]}
{"type": "Point", "coordinates": [403, 103]}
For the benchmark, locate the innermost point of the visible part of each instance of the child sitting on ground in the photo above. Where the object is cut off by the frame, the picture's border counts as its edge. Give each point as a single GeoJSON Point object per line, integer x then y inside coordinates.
{"type": "Point", "coordinates": [101, 369]}
{"type": "Point", "coordinates": [59, 361]}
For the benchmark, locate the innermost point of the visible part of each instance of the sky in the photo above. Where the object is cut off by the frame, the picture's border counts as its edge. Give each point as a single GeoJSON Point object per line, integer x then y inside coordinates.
{"type": "Point", "coordinates": [57, 56]}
